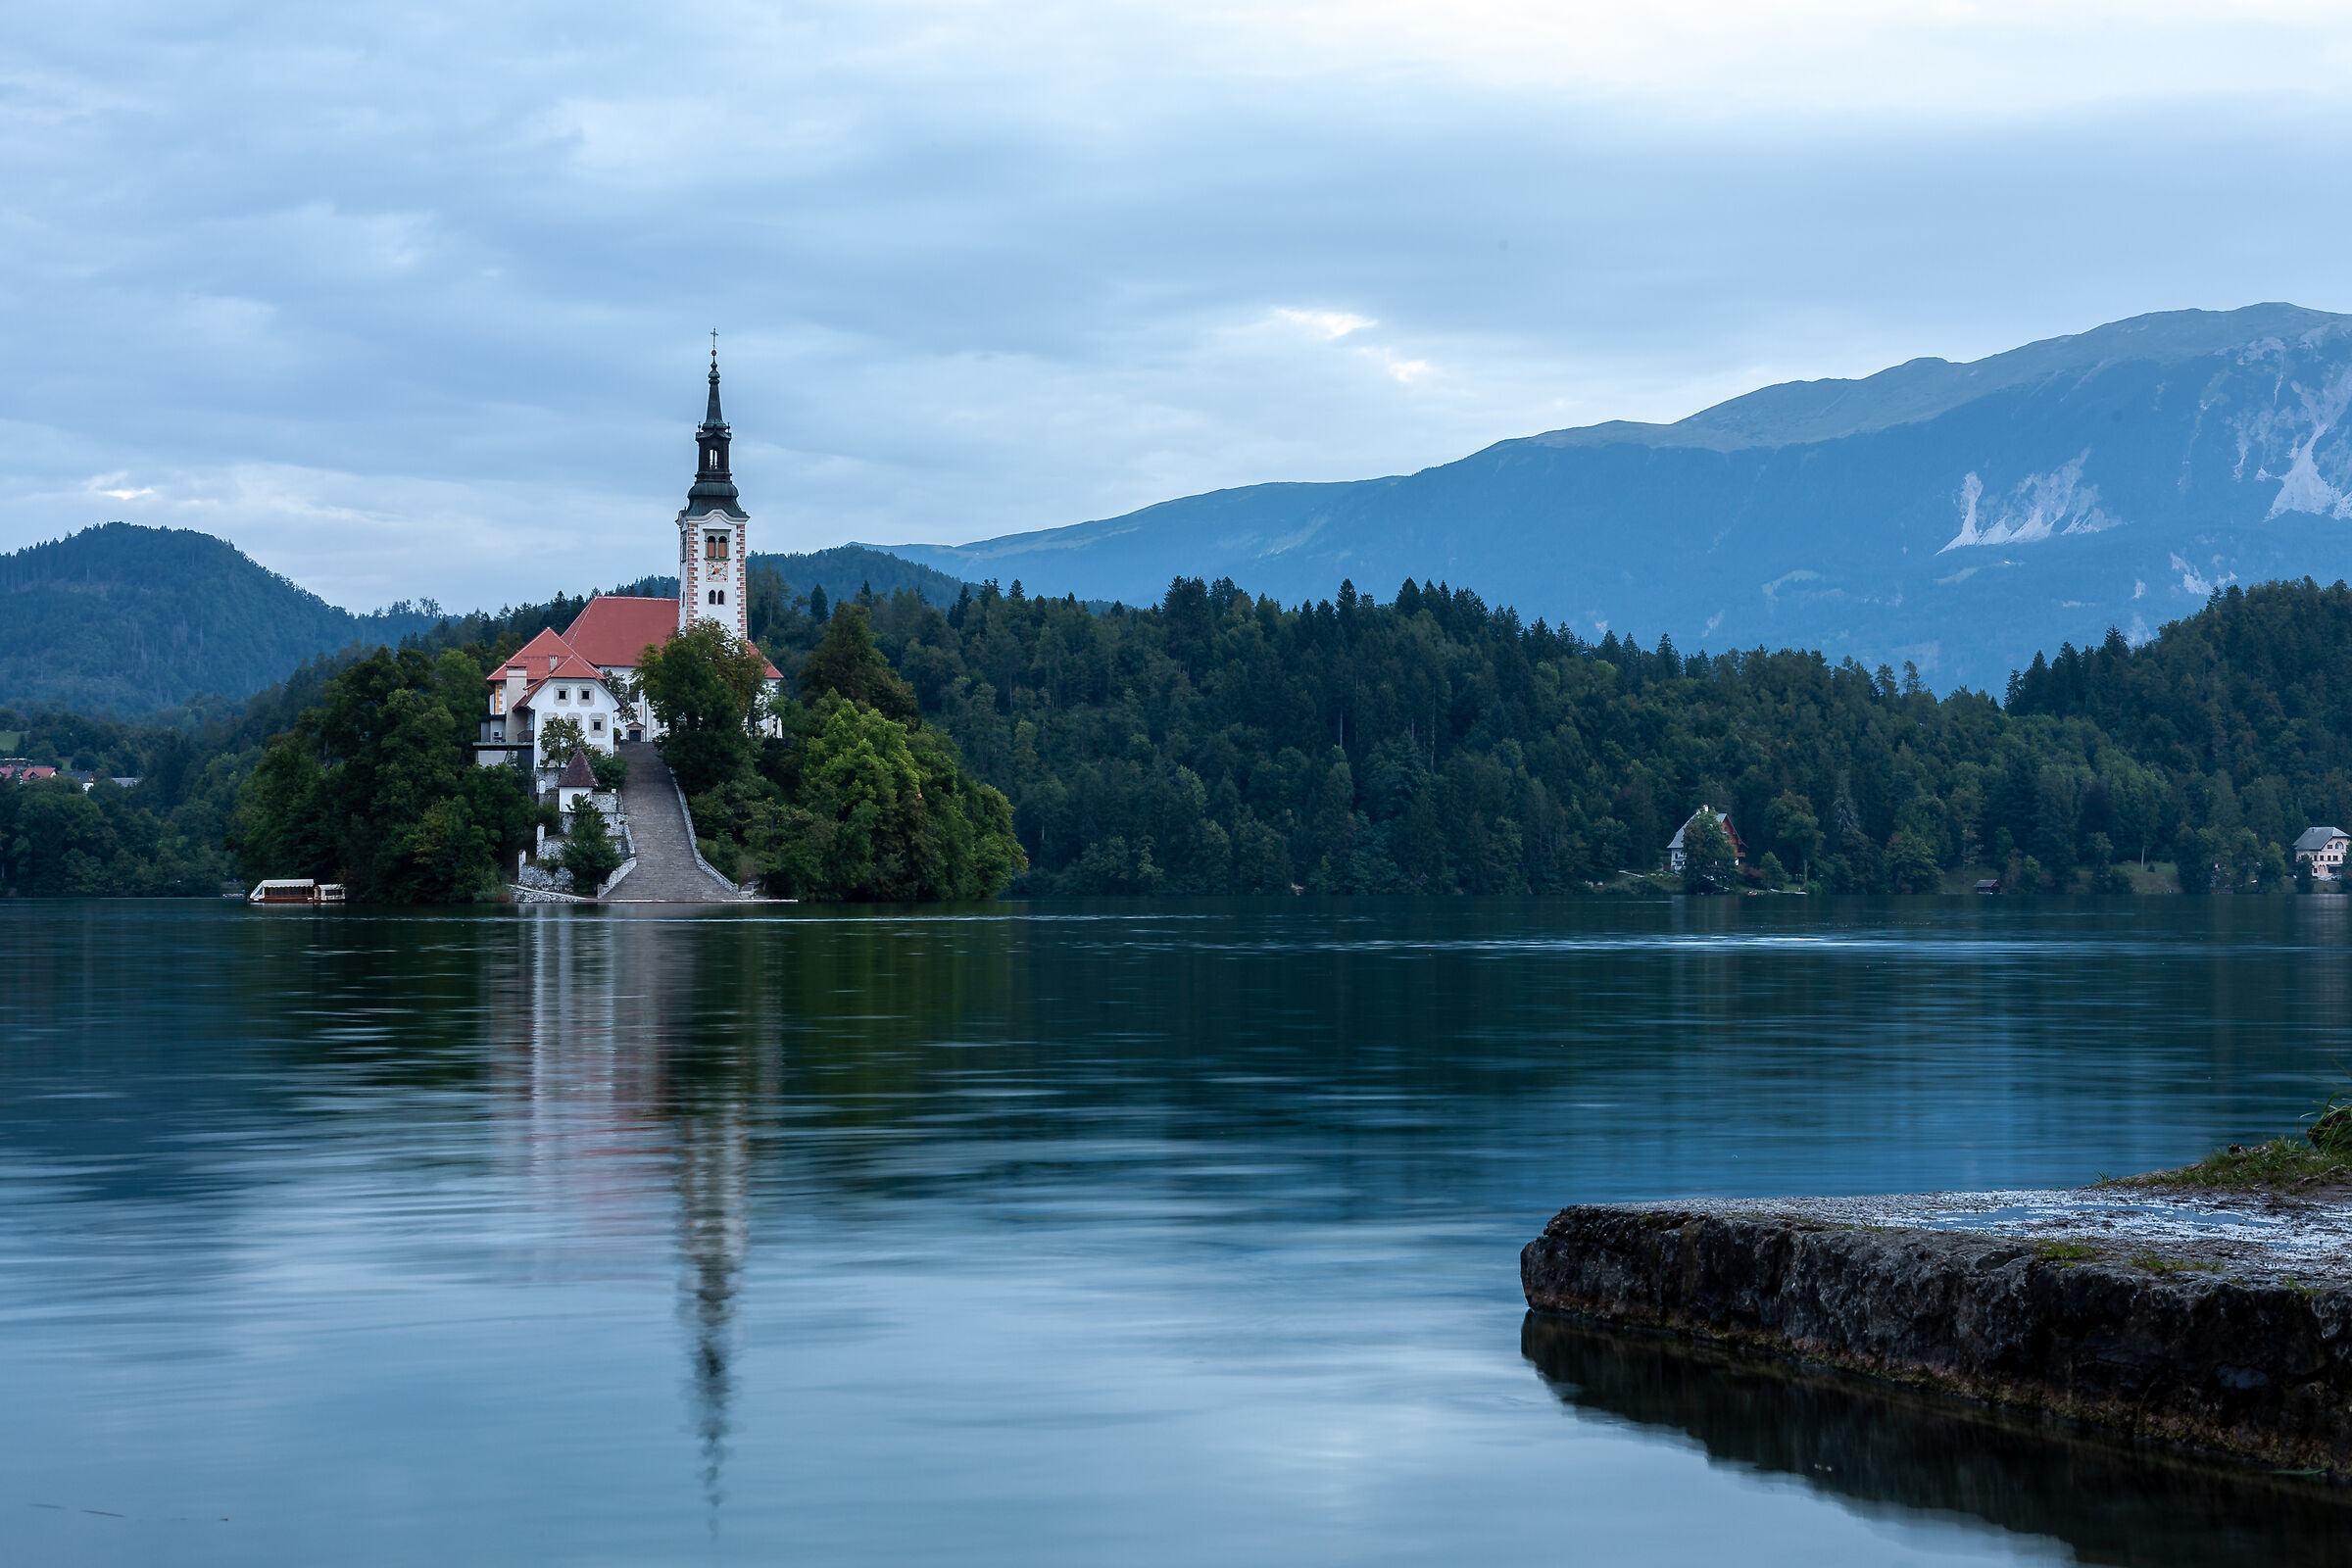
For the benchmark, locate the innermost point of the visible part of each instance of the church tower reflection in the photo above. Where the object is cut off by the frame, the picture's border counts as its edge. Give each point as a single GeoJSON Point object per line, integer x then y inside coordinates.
{"type": "Point", "coordinates": [627, 1113]}
{"type": "Point", "coordinates": [714, 1166]}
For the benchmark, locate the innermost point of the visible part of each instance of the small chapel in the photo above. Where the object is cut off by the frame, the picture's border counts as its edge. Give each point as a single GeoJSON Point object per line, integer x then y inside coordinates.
{"type": "Point", "coordinates": [580, 672]}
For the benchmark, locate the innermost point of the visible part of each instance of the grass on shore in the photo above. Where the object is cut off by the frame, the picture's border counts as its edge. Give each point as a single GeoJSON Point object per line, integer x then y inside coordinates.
{"type": "Point", "coordinates": [2320, 1153]}
{"type": "Point", "coordinates": [2281, 1162]}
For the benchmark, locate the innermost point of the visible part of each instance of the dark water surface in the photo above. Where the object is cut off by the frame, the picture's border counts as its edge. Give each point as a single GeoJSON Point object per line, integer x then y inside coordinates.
{"type": "Point", "coordinates": [1136, 1233]}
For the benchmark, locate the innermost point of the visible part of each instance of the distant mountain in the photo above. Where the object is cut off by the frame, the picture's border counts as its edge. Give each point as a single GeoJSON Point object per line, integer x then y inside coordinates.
{"type": "Point", "coordinates": [124, 619]}
{"type": "Point", "coordinates": [841, 571]}
{"type": "Point", "coordinates": [129, 621]}
{"type": "Point", "coordinates": [1959, 516]}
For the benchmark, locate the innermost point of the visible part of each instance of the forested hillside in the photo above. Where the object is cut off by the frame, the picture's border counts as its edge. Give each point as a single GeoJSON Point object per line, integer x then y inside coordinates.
{"type": "Point", "coordinates": [841, 571]}
{"type": "Point", "coordinates": [177, 831]}
{"type": "Point", "coordinates": [129, 621]}
{"type": "Point", "coordinates": [1218, 741]}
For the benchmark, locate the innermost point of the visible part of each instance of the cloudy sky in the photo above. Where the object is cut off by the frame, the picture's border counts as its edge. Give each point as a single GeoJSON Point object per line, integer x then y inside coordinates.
{"type": "Point", "coordinates": [410, 299]}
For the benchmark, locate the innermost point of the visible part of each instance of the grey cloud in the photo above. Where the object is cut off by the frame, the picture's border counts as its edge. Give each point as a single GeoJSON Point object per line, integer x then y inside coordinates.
{"type": "Point", "coordinates": [439, 278]}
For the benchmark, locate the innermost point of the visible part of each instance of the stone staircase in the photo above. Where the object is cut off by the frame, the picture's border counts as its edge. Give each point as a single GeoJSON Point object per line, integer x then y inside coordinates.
{"type": "Point", "coordinates": [668, 871]}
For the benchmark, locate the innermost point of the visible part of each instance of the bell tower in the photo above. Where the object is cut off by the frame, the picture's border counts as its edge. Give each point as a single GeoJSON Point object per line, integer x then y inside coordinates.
{"type": "Point", "coordinates": [713, 529]}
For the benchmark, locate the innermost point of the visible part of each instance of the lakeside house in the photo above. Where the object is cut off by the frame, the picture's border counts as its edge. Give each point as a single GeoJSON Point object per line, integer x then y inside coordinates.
{"type": "Point", "coordinates": [2324, 847]}
{"type": "Point", "coordinates": [1676, 855]}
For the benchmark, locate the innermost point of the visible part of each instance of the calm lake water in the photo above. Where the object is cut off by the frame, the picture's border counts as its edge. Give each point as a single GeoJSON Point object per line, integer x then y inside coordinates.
{"type": "Point", "coordinates": [1136, 1233]}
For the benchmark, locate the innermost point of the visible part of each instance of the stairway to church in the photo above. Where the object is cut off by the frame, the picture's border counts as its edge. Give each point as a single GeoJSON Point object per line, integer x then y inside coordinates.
{"type": "Point", "coordinates": [666, 871]}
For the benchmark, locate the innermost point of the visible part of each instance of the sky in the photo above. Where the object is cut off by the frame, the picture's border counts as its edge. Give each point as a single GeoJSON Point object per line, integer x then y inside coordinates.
{"type": "Point", "coordinates": [412, 300]}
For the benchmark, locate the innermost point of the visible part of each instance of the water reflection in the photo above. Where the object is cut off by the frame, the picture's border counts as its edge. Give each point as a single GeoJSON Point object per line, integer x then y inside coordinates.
{"type": "Point", "coordinates": [603, 1053]}
{"type": "Point", "coordinates": [646, 1216]}
{"type": "Point", "coordinates": [1907, 1452]}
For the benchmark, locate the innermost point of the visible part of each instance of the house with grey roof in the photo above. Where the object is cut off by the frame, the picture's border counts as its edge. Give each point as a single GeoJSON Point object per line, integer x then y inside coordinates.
{"type": "Point", "coordinates": [2324, 847]}
{"type": "Point", "coordinates": [574, 784]}
{"type": "Point", "coordinates": [1676, 857]}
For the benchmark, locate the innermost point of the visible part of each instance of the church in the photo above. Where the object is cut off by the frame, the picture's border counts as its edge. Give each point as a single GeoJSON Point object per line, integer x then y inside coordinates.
{"type": "Point", "coordinates": [582, 672]}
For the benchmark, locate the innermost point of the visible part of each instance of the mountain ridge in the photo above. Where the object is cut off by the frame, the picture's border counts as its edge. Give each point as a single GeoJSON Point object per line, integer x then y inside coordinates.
{"type": "Point", "coordinates": [2107, 478]}
{"type": "Point", "coordinates": [124, 619]}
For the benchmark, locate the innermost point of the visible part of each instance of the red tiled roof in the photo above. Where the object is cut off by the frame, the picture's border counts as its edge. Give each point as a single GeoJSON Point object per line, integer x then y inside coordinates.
{"type": "Point", "coordinates": [615, 630]}
{"type": "Point", "coordinates": [568, 666]}
{"type": "Point", "coordinates": [578, 774]}
{"type": "Point", "coordinates": [539, 657]}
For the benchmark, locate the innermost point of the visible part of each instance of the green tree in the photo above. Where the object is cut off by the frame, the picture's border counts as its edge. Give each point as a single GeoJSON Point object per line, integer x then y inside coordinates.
{"type": "Point", "coordinates": [1795, 829]}
{"type": "Point", "coordinates": [704, 685]}
{"type": "Point", "coordinates": [1911, 864]}
{"type": "Point", "coordinates": [1709, 864]}
{"type": "Point", "coordinates": [875, 810]}
{"type": "Point", "coordinates": [846, 663]}
{"type": "Point", "coordinates": [373, 788]}
{"type": "Point", "coordinates": [590, 853]}
{"type": "Point", "coordinates": [2106, 877]}
{"type": "Point", "coordinates": [559, 738]}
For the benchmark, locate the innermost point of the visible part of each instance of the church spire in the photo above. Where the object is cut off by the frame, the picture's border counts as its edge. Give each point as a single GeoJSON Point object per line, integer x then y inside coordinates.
{"type": "Point", "coordinates": [713, 419]}
{"type": "Point", "coordinates": [713, 487]}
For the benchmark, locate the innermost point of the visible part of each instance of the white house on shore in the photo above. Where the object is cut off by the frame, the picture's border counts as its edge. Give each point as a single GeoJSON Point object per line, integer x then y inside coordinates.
{"type": "Point", "coordinates": [2324, 847]}
{"type": "Point", "coordinates": [1676, 856]}
{"type": "Point", "coordinates": [580, 672]}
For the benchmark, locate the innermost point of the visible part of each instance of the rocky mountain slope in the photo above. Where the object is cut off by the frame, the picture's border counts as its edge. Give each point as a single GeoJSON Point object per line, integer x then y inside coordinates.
{"type": "Point", "coordinates": [1960, 517]}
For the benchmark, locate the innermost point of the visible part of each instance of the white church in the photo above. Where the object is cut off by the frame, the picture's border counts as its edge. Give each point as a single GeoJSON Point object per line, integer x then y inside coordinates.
{"type": "Point", "coordinates": [574, 674]}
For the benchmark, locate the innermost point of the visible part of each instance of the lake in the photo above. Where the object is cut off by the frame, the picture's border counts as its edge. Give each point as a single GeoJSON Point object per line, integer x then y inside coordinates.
{"type": "Point", "coordinates": [1154, 1232]}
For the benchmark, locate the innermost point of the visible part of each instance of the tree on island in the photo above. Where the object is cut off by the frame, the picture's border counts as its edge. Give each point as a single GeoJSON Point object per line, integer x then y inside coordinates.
{"type": "Point", "coordinates": [848, 664]}
{"type": "Point", "coordinates": [373, 788]}
{"type": "Point", "coordinates": [590, 853]}
{"type": "Point", "coordinates": [858, 798]}
{"type": "Point", "coordinates": [559, 738]}
{"type": "Point", "coordinates": [705, 686]}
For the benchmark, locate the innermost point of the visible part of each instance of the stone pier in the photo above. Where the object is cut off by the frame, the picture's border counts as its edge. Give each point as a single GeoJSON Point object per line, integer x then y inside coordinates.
{"type": "Point", "coordinates": [2222, 1323]}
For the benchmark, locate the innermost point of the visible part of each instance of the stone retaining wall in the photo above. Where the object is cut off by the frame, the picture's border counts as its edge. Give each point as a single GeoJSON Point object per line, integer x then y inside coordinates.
{"type": "Point", "coordinates": [2259, 1368]}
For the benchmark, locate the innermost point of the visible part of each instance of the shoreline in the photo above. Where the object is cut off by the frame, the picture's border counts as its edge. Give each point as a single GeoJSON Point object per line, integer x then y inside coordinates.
{"type": "Point", "coordinates": [2220, 1322]}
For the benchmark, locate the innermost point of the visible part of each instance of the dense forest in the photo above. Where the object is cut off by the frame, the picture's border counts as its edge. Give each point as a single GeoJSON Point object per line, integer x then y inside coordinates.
{"type": "Point", "coordinates": [856, 799]}
{"type": "Point", "coordinates": [1221, 743]}
{"type": "Point", "coordinates": [177, 832]}
{"type": "Point", "coordinates": [1217, 742]}
{"type": "Point", "coordinates": [129, 621]}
